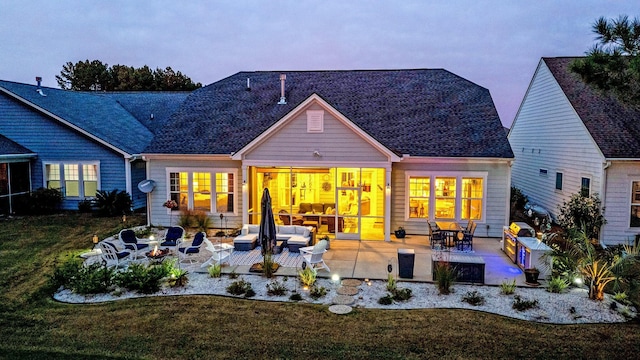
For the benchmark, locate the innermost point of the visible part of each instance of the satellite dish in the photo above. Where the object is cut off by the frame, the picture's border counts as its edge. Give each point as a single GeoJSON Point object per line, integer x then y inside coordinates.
{"type": "Point", "coordinates": [146, 186]}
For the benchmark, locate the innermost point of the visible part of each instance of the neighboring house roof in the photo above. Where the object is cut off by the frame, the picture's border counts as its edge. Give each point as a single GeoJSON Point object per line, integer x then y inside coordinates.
{"type": "Point", "coordinates": [614, 126]}
{"type": "Point", "coordinates": [10, 147]}
{"type": "Point", "coordinates": [152, 109]}
{"type": "Point", "coordinates": [418, 112]}
{"type": "Point", "coordinates": [112, 118]}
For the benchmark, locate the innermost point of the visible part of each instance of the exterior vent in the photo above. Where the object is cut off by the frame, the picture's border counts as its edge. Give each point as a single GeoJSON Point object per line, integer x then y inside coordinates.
{"type": "Point", "coordinates": [282, 101]}
{"type": "Point", "coordinates": [315, 121]}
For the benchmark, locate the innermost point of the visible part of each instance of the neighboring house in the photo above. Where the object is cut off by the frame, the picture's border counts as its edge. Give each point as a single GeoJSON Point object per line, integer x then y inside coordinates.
{"type": "Point", "coordinates": [569, 138]}
{"type": "Point", "coordinates": [79, 142]}
{"type": "Point", "coordinates": [354, 153]}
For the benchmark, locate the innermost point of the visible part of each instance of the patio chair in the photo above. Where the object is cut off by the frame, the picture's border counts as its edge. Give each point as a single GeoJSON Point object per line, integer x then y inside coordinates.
{"type": "Point", "coordinates": [187, 253]}
{"type": "Point", "coordinates": [172, 238]}
{"type": "Point", "coordinates": [313, 257]}
{"type": "Point", "coordinates": [437, 238]}
{"type": "Point", "coordinates": [130, 241]}
{"type": "Point", "coordinates": [287, 219]}
{"type": "Point", "coordinates": [466, 240]}
{"type": "Point", "coordinates": [112, 256]}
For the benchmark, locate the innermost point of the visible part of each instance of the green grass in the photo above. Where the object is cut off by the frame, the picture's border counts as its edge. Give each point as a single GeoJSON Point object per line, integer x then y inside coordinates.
{"type": "Point", "coordinates": [33, 326]}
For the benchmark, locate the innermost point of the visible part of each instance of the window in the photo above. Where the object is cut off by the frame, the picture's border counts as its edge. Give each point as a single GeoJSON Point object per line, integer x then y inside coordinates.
{"type": "Point", "coordinates": [193, 190]}
{"type": "Point", "coordinates": [445, 197]}
{"type": "Point", "coordinates": [52, 174]}
{"type": "Point", "coordinates": [635, 204]}
{"type": "Point", "coordinates": [450, 196]}
{"type": "Point", "coordinates": [558, 181]}
{"type": "Point", "coordinates": [585, 187]}
{"type": "Point", "coordinates": [419, 193]}
{"type": "Point", "coordinates": [73, 179]}
{"type": "Point", "coordinates": [471, 198]}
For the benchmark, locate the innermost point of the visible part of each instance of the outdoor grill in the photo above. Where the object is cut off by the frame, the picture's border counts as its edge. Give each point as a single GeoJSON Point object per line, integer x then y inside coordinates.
{"type": "Point", "coordinates": [510, 237]}
{"type": "Point", "coordinates": [520, 244]}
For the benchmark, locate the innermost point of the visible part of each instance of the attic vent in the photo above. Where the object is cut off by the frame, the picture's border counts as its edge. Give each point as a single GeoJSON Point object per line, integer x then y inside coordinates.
{"type": "Point", "coordinates": [315, 121]}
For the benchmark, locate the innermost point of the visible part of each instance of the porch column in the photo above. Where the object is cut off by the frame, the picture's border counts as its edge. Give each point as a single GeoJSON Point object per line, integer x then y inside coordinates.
{"type": "Point", "coordinates": [387, 206]}
{"type": "Point", "coordinates": [245, 195]}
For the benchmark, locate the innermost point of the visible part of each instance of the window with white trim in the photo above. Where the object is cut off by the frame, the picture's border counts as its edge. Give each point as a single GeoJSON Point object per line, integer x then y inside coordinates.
{"type": "Point", "coordinates": [635, 204]}
{"type": "Point", "coordinates": [202, 189]}
{"type": "Point", "coordinates": [76, 180]}
{"type": "Point", "coordinates": [446, 196]}
{"type": "Point", "coordinates": [585, 187]}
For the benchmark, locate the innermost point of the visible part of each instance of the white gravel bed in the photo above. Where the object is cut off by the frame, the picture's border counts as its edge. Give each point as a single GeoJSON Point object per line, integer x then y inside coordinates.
{"type": "Point", "coordinates": [571, 307]}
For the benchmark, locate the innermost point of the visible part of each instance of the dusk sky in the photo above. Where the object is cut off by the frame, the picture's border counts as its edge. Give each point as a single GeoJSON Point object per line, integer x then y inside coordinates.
{"type": "Point", "coordinates": [496, 44]}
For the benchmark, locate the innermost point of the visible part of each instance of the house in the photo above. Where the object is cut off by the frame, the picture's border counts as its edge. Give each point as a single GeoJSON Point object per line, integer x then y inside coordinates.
{"type": "Point", "coordinates": [352, 153]}
{"type": "Point", "coordinates": [569, 138]}
{"type": "Point", "coordinates": [79, 142]}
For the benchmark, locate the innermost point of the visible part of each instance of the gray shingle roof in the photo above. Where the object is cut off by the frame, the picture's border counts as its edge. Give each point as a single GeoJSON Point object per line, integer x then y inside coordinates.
{"type": "Point", "coordinates": [96, 113]}
{"type": "Point", "coordinates": [416, 112]}
{"type": "Point", "coordinates": [614, 126]}
{"type": "Point", "coordinates": [10, 147]}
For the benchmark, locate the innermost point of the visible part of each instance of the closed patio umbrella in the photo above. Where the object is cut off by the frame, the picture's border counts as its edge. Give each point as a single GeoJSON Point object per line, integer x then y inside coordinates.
{"type": "Point", "coordinates": [267, 233]}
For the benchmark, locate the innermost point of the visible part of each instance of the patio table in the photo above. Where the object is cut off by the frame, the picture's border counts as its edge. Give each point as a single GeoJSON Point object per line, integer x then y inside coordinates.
{"type": "Point", "coordinates": [452, 229]}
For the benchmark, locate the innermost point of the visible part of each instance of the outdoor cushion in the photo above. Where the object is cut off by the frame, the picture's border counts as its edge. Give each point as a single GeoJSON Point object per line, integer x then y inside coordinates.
{"type": "Point", "coordinates": [287, 229]}
{"type": "Point", "coordinates": [317, 208]}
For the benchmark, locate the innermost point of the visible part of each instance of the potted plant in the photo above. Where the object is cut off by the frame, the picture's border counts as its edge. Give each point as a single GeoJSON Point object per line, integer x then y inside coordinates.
{"type": "Point", "coordinates": [400, 233]}
{"type": "Point", "coordinates": [531, 276]}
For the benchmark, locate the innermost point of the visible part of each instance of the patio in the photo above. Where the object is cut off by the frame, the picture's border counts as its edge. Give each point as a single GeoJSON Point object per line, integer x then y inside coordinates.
{"type": "Point", "coordinates": [369, 259]}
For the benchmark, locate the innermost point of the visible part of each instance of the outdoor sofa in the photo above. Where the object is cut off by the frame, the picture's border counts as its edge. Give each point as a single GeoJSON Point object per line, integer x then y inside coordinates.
{"type": "Point", "coordinates": [296, 237]}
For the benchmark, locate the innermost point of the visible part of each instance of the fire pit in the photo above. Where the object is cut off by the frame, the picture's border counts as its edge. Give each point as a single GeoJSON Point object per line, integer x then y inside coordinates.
{"type": "Point", "coordinates": [157, 255]}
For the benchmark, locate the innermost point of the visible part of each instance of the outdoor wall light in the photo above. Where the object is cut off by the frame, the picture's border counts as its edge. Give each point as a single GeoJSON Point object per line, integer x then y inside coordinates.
{"type": "Point", "coordinates": [317, 153]}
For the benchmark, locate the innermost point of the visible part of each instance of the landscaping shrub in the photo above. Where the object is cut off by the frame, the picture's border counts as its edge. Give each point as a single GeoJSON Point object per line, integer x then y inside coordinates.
{"type": "Point", "coordinates": [518, 198]}
{"type": "Point", "coordinates": [215, 270]}
{"type": "Point", "coordinates": [508, 288]}
{"type": "Point", "coordinates": [391, 283]}
{"type": "Point", "coordinates": [521, 304]}
{"type": "Point", "coordinates": [402, 294]}
{"type": "Point", "coordinates": [445, 277]}
{"type": "Point", "coordinates": [113, 203]}
{"type": "Point", "coordinates": [386, 300]}
{"type": "Point", "coordinates": [201, 220]}
{"type": "Point", "coordinates": [581, 213]}
{"type": "Point", "coordinates": [557, 285]}
{"type": "Point", "coordinates": [186, 218]}
{"type": "Point", "coordinates": [45, 201]}
{"type": "Point", "coordinates": [295, 297]}
{"type": "Point", "coordinates": [317, 292]}
{"type": "Point", "coordinates": [268, 265]}
{"type": "Point", "coordinates": [138, 277]}
{"type": "Point", "coordinates": [85, 206]}
{"type": "Point", "coordinates": [178, 278]}
{"type": "Point", "coordinates": [473, 298]}
{"type": "Point", "coordinates": [307, 277]}
{"type": "Point", "coordinates": [64, 273]}
{"type": "Point", "coordinates": [275, 288]}
{"type": "Point", "coordinates": [239, 287]}
{"type": "Point", "coordinates": [93, 279]}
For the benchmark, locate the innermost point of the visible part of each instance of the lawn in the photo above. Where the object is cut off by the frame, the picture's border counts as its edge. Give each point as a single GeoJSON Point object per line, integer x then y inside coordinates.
{"type": "Point", "coordinates": [33, 326]}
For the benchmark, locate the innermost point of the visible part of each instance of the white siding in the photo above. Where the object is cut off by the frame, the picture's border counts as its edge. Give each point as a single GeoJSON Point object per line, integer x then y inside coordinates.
{"type": "Point", "coordinates": [618, 202]}
{"type": "Point", "coordinates": [337, 143]}
{"type": "Point", "coordinates": [496, 197]}
{"type": "Point", "coordinates": [157, 172]}
{"type": "Point", "coordinates": [548, 134]}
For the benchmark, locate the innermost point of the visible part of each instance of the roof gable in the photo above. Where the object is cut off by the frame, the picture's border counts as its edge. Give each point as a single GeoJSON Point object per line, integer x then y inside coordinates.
{"type": "Point", "coordinates": [415, 112]}
{"type": "Point", "coordinates": [373, 144]}
{"type": "Point", "coordinates": [614, 126]}
{"type": "Point", "coordinates": [10, 147]}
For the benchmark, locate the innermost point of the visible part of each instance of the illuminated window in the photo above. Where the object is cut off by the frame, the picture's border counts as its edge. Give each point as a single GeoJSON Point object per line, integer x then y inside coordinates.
{"type": "Point", "coordinates": [635, 204]}
{"type": "Point", "coordinates": [224, 192]}
{"type": "Point", "coordinates": [193, 190]}
{"type": "Point", "coordinates": [72, 179]}
{"type": "Point", "coordinates": [90, 179]}
{"type": "Point", "coordinates": [471, 199]}
{"type": "Point", "coordinates": [445, 198]}
{"type": "Point", "coordinates": [419, 192]}
{"type": "Point", "coordinates": [52, 174]}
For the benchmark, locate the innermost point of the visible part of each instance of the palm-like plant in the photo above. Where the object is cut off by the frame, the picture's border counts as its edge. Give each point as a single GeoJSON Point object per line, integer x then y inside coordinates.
{"type": "Point", "coordinates": [596, 270]}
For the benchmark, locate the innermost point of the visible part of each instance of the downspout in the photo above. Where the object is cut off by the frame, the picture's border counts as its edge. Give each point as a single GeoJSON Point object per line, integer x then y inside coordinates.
{"type": "Point", "coordinates": [603, 194]}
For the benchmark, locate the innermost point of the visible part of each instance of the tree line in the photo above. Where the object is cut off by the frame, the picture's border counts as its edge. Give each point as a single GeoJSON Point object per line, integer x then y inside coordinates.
{"type": "Point", "coordinates": [97, 76]}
